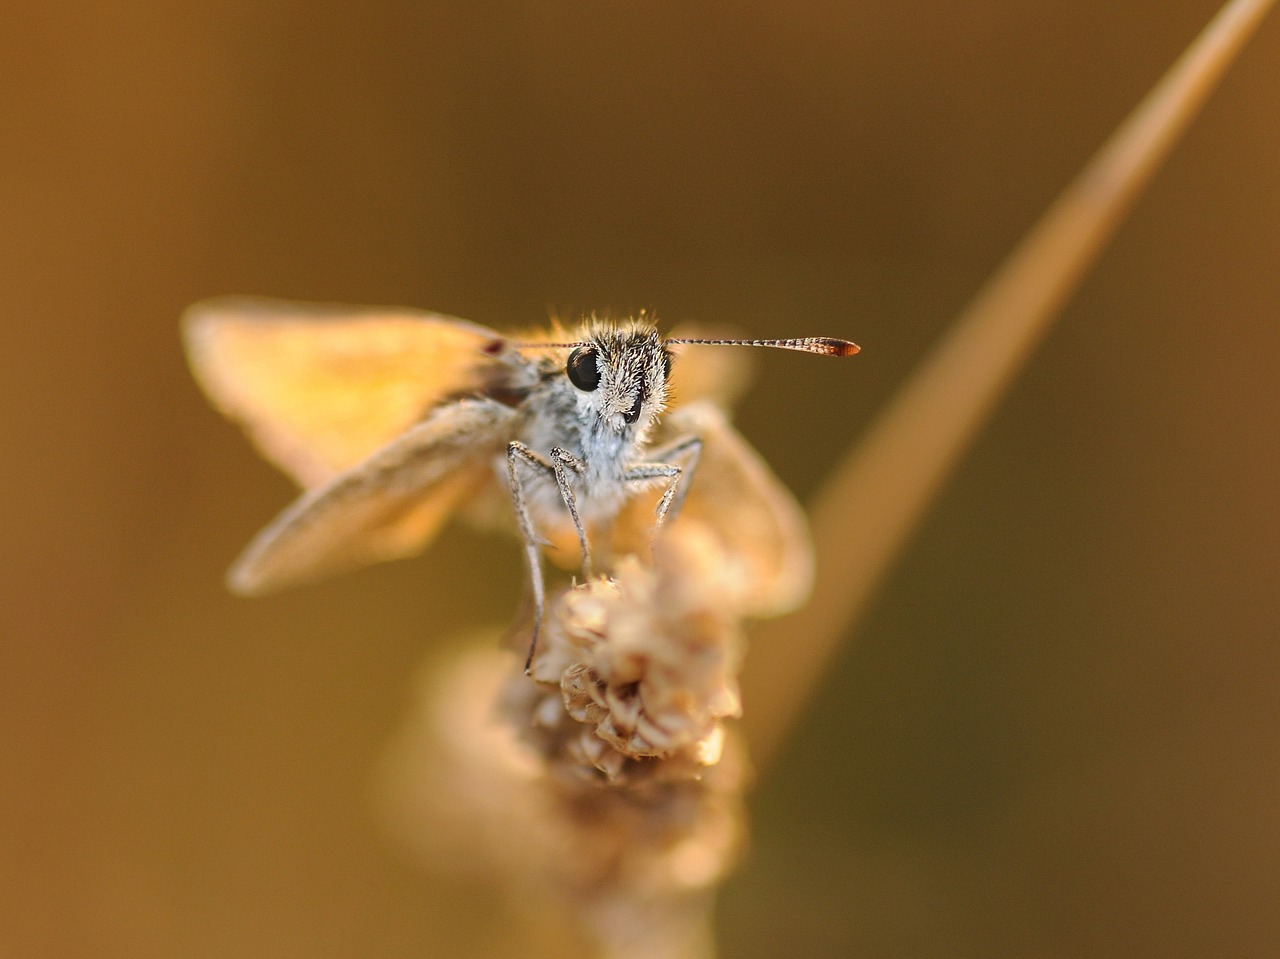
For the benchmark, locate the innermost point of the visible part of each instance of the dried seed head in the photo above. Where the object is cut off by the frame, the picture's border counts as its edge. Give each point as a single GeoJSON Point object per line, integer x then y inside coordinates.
{"type": "Point", "coordinates": [613, 791]}
{"type": "Point", "coordinates": [627, 858]}
{"type": "Point", "coordinates": [640, 667]}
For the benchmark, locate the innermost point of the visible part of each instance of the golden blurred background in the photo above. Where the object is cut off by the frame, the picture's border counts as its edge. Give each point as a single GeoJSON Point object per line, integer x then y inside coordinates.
{"type": "Point", "coordinates": [1059, 732]}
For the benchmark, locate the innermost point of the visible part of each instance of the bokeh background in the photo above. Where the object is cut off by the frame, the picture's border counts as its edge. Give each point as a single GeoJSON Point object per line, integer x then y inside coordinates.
{"type": "Point", "coordinates": [1057, 733]}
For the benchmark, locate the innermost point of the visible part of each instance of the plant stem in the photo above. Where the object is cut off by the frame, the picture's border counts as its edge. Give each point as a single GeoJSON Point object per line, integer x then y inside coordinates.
{"type": "Point", "coordinates": [864, 516]}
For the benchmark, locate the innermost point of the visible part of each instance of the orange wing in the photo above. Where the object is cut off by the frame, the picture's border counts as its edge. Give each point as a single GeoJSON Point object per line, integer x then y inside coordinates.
{"type": "Point", "coordinates": [718, 374]}
{"type": "Point", "coordinates": [320, 387]}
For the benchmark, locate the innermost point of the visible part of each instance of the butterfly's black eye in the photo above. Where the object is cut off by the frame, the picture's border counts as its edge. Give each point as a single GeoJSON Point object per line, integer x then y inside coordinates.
{"type": "Point", "coordinates": [666, 365]}
{"type": "Point", "coordinates": [583, 370]}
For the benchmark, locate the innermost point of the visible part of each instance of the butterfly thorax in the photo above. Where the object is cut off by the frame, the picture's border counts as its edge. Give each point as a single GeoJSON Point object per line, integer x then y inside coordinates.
{"type": "Point", "coordinates": [604, 428]}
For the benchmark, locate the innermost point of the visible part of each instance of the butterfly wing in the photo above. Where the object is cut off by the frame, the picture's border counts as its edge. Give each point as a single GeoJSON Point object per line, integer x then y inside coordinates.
{"type": "Point", "coordinates": [756, 521]}
{"type": "Point", "coordinates": [320, 387]}
{"type": "Point", "coordinates": [701, 373]}
{"type": "Point", "coordinates": [386, 507]}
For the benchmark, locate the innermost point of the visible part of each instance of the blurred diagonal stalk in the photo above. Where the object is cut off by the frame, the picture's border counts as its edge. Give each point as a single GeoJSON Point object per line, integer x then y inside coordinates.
{"type": "Point", "coordinates": [865, 514]}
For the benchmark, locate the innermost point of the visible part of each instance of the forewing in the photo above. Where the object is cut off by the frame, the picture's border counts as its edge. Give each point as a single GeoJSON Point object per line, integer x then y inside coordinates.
{"type": "Point", "coordinates": [320, 387]}
{"type": "Point", "coordinates": [757, 522]}
{"type": "Point", "coordinates": [717, 374]}
{"type": "Point", "coordinates": [386, 507]}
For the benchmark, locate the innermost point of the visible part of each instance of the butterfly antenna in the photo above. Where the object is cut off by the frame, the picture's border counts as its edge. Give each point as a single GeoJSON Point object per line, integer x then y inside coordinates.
{"type": "Point", "coordinates": [517, 345]}
{"type": "Point", "coordinates": [822, 345]}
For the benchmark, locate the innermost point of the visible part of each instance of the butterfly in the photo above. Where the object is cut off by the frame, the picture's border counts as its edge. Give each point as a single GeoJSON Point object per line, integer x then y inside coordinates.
{"type": "Point", "coordinates": [391, 419]}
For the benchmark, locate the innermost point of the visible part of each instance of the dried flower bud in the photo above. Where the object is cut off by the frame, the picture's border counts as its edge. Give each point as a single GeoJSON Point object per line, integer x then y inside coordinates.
{"type": "Point", "coordinates": [613, 791]}
{"type": "Point", "coordinates": [643, 663]}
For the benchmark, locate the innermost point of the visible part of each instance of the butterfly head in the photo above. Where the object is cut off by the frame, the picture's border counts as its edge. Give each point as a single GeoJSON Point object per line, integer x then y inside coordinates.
{"type": "Point", "coordinates": [619, 373]}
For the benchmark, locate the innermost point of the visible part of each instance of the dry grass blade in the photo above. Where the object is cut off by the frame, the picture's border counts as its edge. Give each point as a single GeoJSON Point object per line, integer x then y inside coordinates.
{"type": "Point", "coordinates": [867, 511]}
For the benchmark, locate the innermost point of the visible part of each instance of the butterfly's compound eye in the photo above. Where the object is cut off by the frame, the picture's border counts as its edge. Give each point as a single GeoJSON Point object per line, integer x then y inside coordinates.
{"type": "Point", "coordinates": [583, 368]}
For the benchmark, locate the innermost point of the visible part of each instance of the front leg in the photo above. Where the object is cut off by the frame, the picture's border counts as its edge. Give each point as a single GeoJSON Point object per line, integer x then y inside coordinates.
{"type": "Point", "coordinates": [673, 495]}
{"type": "Point", "coordinates": [519, 455]}
{"type": "Point", "coordinates": [563, 461]}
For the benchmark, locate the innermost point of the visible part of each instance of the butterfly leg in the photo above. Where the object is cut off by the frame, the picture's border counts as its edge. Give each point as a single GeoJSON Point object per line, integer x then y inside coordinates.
{"type": "Point", "coordinates": [563, 461]}
{"type": "Point", "coordinates": [673, 495]}
{"type": "Point", "coordinates": [520, 455]}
